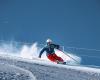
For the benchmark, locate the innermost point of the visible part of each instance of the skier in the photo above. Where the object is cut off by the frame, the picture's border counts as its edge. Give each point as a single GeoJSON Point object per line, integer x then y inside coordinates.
{"type": "Point", "coordinates": [49, 48]}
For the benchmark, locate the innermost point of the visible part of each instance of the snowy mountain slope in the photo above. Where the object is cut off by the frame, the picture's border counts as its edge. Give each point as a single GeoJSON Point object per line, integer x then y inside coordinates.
{"type": "Point", "coordinates": [44, 70]}
{"type": "Point", "coordinates": [12, 72]}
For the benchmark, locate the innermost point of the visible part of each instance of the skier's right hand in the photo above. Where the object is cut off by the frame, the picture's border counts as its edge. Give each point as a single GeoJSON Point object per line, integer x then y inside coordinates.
{"type": "Point", "coordinates": [39, 56]}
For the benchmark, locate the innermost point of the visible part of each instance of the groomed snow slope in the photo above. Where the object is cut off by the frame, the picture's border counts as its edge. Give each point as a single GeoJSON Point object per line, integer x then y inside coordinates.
{"type": "Point", "coordinates": [12, 72]}
{"type": "Point", "coordinates": [44, 70]}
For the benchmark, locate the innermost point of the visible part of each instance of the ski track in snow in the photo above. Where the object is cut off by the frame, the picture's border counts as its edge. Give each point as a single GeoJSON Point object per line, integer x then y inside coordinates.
{"type": "Point", "coordinates": [13, 67]}
{"type": "Point", "coordinates": [12, 72]}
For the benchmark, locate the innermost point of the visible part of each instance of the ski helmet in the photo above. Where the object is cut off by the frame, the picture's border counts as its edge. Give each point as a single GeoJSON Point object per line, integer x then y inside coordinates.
{"type": "Point", "coordinates": [48, 41]}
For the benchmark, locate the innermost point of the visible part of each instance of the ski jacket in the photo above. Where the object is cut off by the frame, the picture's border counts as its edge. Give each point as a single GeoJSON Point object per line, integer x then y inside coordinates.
{"type": "Point", "coordinates": [49, 49]}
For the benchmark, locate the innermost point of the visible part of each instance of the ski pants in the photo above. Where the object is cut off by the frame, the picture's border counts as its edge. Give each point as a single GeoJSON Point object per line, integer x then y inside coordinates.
{"type": "Point", "coordinates": [54, 58]}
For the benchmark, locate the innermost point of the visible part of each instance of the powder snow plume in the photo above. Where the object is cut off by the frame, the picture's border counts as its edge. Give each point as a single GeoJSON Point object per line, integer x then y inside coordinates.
{"type": "Point", "coordinates": [30, 51]}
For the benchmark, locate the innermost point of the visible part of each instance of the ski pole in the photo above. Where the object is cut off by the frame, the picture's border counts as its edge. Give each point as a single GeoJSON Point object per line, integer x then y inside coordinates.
{"type": "Point", "coordinates": [70, 56]}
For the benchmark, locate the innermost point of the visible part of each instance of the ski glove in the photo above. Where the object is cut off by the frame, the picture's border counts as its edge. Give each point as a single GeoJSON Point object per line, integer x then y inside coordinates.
{"type": "Point", "coordinates": [39, 56]}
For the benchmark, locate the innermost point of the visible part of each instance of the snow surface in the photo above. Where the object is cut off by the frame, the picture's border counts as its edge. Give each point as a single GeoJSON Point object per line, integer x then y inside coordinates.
{"type": "Point", "coordinates": [15, 68]}
{"type": "Point", "coordinates": [12, 72]}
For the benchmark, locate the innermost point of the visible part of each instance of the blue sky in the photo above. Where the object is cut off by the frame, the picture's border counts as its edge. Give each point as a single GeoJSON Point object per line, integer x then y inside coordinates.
{"type": "Point", "coordinates": [66, 22]}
